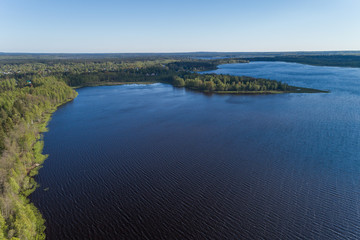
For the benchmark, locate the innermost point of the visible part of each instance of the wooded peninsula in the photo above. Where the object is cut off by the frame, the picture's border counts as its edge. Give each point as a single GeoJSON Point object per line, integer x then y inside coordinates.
{"type": "Point", "coordinates": [32, 87]}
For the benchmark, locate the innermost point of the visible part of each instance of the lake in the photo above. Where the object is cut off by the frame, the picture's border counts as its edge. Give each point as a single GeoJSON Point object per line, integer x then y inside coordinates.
{"type": "Point", "coordinates": [158, 162]}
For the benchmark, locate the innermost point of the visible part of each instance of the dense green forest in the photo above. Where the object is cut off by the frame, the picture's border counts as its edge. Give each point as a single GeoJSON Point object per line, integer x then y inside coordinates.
{"type": "Point", "coordinates": [235, 84]}
{"type": "Point", "coordinates": [24, 112]}
{"type": "Point", "coordinates": [100, 71]}
{"type": "Point", "coordinates": [32, 88]}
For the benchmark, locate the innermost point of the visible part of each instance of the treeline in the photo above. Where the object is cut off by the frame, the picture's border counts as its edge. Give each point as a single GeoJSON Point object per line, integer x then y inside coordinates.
{"type": "Point", "coordinates": [150, 74]}
{"type": "Point", "coordinates": [201, 65]}
{"type": "Point", "coordinates": [94, 72]}
{"type": "Point", "coordinates": [71, 67]}
{"type": "Point", "coordinates": [47, 68]}
{"type": "Point", "coordinates": [320, 60]}
{"type": "Point", "coordinates": [227, 83]}
{"type": "Point", "coordinates": [24, 112]}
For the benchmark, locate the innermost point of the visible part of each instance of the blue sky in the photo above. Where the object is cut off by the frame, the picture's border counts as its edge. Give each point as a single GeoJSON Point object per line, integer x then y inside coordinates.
{"type": "Point", "coordinates": [107, 26]}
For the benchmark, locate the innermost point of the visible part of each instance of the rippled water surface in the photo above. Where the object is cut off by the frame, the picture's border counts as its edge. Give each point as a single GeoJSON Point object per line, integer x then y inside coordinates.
{"type": "Point", "coordinates": [157, 162]}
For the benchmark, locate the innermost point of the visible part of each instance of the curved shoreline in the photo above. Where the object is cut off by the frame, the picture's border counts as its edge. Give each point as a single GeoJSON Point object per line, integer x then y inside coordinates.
{"type": "Point", "coordinates": [22, 155]}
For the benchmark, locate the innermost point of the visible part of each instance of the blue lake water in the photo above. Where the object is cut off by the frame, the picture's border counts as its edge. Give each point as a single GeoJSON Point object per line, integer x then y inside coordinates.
{"type": "Point", "coordinates": [158, 162]}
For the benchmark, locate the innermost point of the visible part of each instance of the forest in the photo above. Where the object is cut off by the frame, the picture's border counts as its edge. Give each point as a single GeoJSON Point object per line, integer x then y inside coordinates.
{"type": "Point", "coordinates": [32, 88]}
{"type": "Point", "coordinates": [226, 83]}
{"type": "Point", "coordinates": [24, 112]}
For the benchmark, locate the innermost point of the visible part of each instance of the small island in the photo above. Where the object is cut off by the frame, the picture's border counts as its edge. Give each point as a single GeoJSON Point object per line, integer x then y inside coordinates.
{"type": "Point", "coordinates": [227, 84]}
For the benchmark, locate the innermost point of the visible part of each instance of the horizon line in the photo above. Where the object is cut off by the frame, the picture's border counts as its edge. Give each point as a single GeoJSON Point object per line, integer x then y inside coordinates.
{"type": "Point", "coordinates": [185, 52]}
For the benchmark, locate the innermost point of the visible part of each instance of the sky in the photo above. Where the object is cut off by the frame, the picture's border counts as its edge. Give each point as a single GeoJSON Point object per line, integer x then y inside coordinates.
{"type": "Point", "coordinates": [110, 26]}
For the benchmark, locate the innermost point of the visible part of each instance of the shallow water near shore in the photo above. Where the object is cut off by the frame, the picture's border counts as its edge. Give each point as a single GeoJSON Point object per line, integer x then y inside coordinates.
{"type": "Point", "coordinates": [158, 162]}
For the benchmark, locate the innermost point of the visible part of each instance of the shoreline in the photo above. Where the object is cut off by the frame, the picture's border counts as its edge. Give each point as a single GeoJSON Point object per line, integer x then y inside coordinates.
{"type": "Point", "coordinates": [301, 90]}
{"type": "Point", "coordinates": [96, 84]}
{"type": "Point", "coordinates": [26, 157]}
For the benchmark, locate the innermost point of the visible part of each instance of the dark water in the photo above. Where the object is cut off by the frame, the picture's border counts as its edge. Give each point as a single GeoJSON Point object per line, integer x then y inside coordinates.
{"type": "Point", "coordinates": [156, 162]}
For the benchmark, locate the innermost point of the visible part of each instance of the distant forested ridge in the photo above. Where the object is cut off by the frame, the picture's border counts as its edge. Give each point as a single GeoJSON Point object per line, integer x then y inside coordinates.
{"type": "Point", "coordinates": [320, 60]}
{"type": "Point", "coordinates": [201, 65]}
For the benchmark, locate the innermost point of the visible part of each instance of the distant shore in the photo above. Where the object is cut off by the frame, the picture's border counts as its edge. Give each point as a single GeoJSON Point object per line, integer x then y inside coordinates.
{"type": "Point", "coordinates": [95, 84]}
{"type": "Point", "coordinates": [296, 90]}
